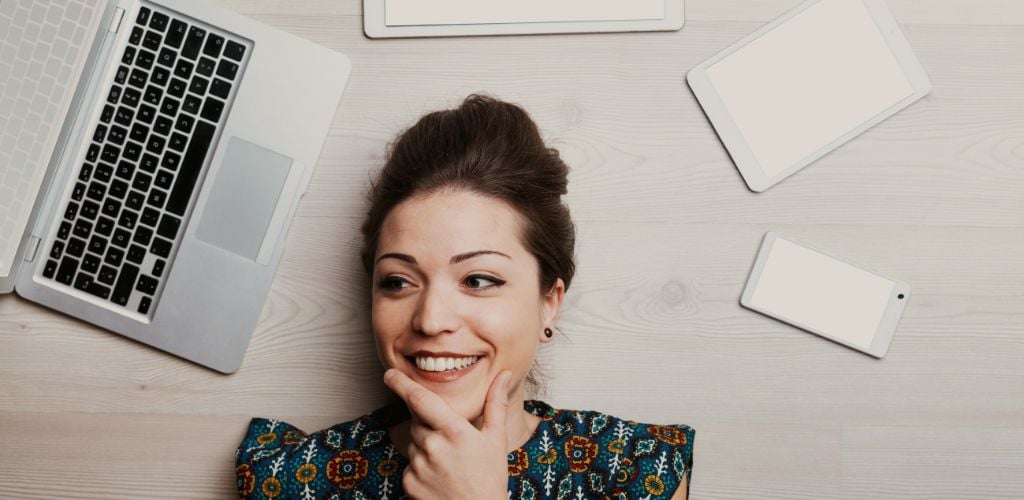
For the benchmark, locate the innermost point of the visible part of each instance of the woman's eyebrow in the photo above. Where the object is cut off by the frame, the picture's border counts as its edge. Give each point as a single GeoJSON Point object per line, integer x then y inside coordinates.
{"type": "Point", "coordinates": [469, 255]}
{"type": "Point", "coordinates": [400, 256]}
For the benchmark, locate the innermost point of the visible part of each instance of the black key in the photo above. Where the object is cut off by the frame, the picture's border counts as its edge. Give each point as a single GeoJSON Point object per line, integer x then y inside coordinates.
{"type": "Point", "coordinates": [122, 75]}
{"type": "Point", "coordinates": [176, 34]}
{"type": "Point", "coordinates": [185, 122]}
{"type": "Point", "coordinates": [169, 226]}
{"type": "Point", "coordinates": [159, 21]}
{"type": "Point", "coordinates": [83, 228]}
{"type": "Point", "coordinates": [118, 189]}
{"type": "Point", "coordinates": [107, 275]}
{"type": "Point", "coordinates": [143, 235]}
{"type": "Point", "coordinates": [136, 254]}
{"type": "Point", "coordinates": [78, 192]}
{"type": "Point", "coordinates": [184, 69]}
{"type": "Point", "coordinates": [191, 165]}
{"type": "Point", "coordinates": [125, 170]}
{"type": "Point", "coordinates": [142, 181]}
{"type": "Point", "coordinates": [167, 57]}
{"type": "Point", "coordinates": [234, 50]}
{"type": "Point", "coordinates": [104, 226]}
{"type": "Point", "coordinates": [76, 246]}
{"type": "Point", "coordinates": [171, 160]}
{"type": "Point", "coordinates": [108, 114]}
{"type": "Point", "coordinates": [214, 43]}
{"type": "Point", "coordinates": [144, 305]}
{"type": "Point", "coordinates": [193, 42]}
{"type": "Point", "coordinates": [100, 133]}
{"type": "Point", "coordinates": [110, 153]}
{"type": "Point", "coordinates": [90, 209]}
{"type": "Point", "coordinates": [146, 113]}
{"type": "Point", "coordinates": [143, 16]}
{"type": "Point", "coordinates": [124, 116]}
{"type": "Point", "coordinates": [91, 263]}
{"type": "Point", "coordinates": [212, 109]}
{"type": "Point", "coordinates": [139, 132]}
{"type": "Point", "coordinates": [97, 244]}
{"type": "Point", "coordinates": [153, 95]}
{"type": "Point", "coordinates": [160, 75]}
{"type": "Point", "coordinates": [57, 250]}
{"type": "Point", "coordinates": [146, 285]}
{"type": "Point", "coordinates": [131, 97]}
{"type": "Point", "coordinates": [163, 125]}
{"type": "Point", "coordinates": [152, 40]}
{"type": "Point", "coordinates": [177, 142]}
{"type": "Point", "coordinates": [163, 179]}
{"type": "Point", "coordinates": [104, 171]}
{"type": "Point", "coordinates": [121, 238]}
{"type": "Point", "coordinates": [114, 256]}
{"type": "Point", "coordinates": [132, 150]}
{"type": "Point", "coordinates": [50, 270]}
{"type": "Point", "coordinates": [66, 271]}
{"type": "Point", "coordinates": [205, 66]}
{"type": "Point", "coordinates": [145, 59]}
{"type": "Point", "coordinates": [64, 230]}
{"type": "Point", "coordinates": [93, 153]}
{"type": "Point", "coordinates": [136, 36]}
{"type": "Point", "coordinates": [177, 87]}
{"type": "Point", "coordinates": [170, 106]}
{"type": "Point", "coordinates": [155, 144]}
{"type": "Point", "coordinates": [85, 283]}
{"type": "Point", "coordinates": [192, 104]}
{"type": "Point", "coordinates": [227, 69]}
{"type": "Point", "coordinates": [199, 84]}
{"type": "Point", "coordinates": [158, 268]}
{"type": "Point", "coordinates": [123, 288]}
{"type": "Point", "coordinates": [129, 54]}
{"type": "Point", "coordinates": [86, 172]}
{"type": "Point", "coordinates": [96, 191]}
{"type": "Point", "coordinates": [150, 216]}
{"type": "Point", "coordinates": [157, 198]}
{"type": "Point", "coordinates": [135, 200]}
{"type": "Point", "coordinates": [149, 162]}
{"type": "Point", "coordinates": [160, 247]}
{"type": "Point", "coordinates": [137, 78]}
{"type": "Point", "coordinates": [220, 88]}
{"type": "Point", "coordinates": [71, 210]}
{"type": "Point", "coordinates": [117, 134]}
{"type": "Point", "coordinates": [128, 219]}
{"type": "Point", "coordinates": [111, 208]}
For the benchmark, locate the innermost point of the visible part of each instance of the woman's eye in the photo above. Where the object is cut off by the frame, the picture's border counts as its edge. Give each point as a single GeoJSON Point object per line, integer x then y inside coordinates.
{"type": "Point", "coordinates": [392, 283]}
{"type": "Point", "coordinates": [480, 282]}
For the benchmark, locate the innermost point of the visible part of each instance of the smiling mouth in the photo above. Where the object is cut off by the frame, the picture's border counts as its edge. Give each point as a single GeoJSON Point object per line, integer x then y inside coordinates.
{"type": "Point", "coordinates": [443, 364]}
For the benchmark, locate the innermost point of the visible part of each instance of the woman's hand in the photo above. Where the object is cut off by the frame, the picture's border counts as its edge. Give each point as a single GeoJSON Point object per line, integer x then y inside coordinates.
{"type": "Point", "coordinates": [448, 456]}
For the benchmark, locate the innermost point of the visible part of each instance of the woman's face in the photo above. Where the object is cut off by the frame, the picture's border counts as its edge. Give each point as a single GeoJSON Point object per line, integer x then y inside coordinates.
{"type": "Point", "coordinates": [452, 279]}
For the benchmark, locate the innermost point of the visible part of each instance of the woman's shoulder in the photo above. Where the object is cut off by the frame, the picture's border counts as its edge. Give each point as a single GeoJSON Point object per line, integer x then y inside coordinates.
{"type": "Point", "coordinates": [636, 458]}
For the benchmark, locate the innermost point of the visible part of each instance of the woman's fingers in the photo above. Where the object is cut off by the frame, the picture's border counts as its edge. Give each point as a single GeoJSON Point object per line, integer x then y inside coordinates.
{"type": "Point", "coordinates": [424, 404]}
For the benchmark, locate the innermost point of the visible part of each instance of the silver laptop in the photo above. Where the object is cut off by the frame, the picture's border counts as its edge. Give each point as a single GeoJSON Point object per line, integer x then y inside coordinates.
{"type": "Point", "coordinates": [152, 155]}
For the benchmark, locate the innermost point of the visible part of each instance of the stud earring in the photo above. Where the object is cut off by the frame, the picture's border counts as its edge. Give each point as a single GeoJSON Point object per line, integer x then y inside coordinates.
{"type": "Point", "coordinates": [548, 332]}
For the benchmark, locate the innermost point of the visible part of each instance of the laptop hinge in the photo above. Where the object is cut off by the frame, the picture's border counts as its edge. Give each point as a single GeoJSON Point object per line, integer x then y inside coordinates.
{"type": "Point", "coordinates": [33, 247]}
{"type": "Point", "coordinates": [115, 22]}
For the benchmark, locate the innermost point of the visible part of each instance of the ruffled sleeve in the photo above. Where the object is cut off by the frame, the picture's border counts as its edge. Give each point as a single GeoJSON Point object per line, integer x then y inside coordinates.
{"type": "Point", "coordinates": [265, 439]}
{"type": "Point", "coordinates": [661, 456]}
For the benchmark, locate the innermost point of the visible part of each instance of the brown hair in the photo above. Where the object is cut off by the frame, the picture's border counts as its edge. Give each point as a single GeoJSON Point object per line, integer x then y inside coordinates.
{"type": "Point", "coordinates": [492, 148]}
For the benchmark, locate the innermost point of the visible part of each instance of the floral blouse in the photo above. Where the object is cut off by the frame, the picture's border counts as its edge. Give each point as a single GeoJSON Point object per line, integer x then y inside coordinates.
{"type": "Point", "coordinates": [573, 454]}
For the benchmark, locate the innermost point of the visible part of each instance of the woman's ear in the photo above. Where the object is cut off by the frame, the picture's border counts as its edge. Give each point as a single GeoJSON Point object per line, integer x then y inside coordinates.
{"type": "Point", "coordinates": [552, 303]}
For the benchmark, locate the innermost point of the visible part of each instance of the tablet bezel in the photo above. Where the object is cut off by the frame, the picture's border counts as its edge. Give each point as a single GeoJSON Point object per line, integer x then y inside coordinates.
{"type": "Point", "coordinates": [890, 318]}
{"type": "Point", "coordinates": [729, 133]}
{"type": "Point", "coordinates": [375, 25]}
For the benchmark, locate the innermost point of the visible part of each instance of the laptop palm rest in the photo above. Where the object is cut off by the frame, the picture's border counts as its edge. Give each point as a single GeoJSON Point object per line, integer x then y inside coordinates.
{"type": "Point", "coordinates": [244, 201]}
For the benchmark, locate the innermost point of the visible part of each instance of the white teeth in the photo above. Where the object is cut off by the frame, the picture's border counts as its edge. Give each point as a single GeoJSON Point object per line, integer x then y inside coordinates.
{"type": "Point", "coordinates": [444, 364]}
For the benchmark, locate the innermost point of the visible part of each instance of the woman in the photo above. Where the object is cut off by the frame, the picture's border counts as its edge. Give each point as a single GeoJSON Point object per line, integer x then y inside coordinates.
{"type": "Point", "coordinates": [470, 250]}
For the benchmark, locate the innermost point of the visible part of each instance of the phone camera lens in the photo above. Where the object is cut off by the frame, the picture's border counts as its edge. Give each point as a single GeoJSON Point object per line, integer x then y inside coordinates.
{"type": "Point", "coordinates": [900, 296]}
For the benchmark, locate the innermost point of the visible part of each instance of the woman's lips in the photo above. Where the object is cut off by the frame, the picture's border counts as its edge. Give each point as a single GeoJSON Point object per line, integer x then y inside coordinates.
{"type": "Point", "coordinates": [442, 377]}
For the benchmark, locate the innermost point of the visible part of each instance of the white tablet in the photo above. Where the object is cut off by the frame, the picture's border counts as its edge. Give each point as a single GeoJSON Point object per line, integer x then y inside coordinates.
{"type": "Point", "coordinates": [825, 295]}
{"type": "Point", "coordinates": [421, 18]}
{"type": "Point", "coordinates": [806, 83]}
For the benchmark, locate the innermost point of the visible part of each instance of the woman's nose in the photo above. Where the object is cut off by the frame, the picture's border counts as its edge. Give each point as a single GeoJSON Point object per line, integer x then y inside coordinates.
{"type": "Point", "coordinates": [435, 313]}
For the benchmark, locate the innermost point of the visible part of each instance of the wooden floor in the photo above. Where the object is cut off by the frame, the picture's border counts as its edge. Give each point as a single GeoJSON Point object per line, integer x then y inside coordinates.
{"type": "Point", "coordinates": [668, 231]}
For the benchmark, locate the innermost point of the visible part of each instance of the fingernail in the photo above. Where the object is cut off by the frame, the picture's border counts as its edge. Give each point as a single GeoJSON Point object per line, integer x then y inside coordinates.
{"type": "Point", "coordinates": [389, 374]}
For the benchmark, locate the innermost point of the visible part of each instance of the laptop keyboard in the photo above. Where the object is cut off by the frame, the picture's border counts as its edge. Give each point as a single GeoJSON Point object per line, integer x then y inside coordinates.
{"type": "Point", "coordinates": [126, 212]}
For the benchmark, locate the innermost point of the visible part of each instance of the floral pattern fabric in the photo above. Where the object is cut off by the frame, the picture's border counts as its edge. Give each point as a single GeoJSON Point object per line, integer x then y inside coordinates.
{"type": "Point", "coordinates": [573, 454]}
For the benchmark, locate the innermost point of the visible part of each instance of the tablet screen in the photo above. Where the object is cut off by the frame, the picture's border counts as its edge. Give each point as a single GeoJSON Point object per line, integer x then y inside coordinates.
{"type": "Point", "coordinates": [437, 12]}
{"type": "Point", "coordinates": [800, 285]}
{"type": "Point", "coordinates": [809, 81]}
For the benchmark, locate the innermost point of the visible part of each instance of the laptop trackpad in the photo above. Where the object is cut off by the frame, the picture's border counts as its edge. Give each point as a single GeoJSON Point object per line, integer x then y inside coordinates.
{"type": "Point", "coordinates": [244, 199]}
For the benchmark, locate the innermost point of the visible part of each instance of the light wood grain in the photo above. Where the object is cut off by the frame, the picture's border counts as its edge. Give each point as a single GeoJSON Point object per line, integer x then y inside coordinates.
{"type": "Point", "coordinates": [653, 330]}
